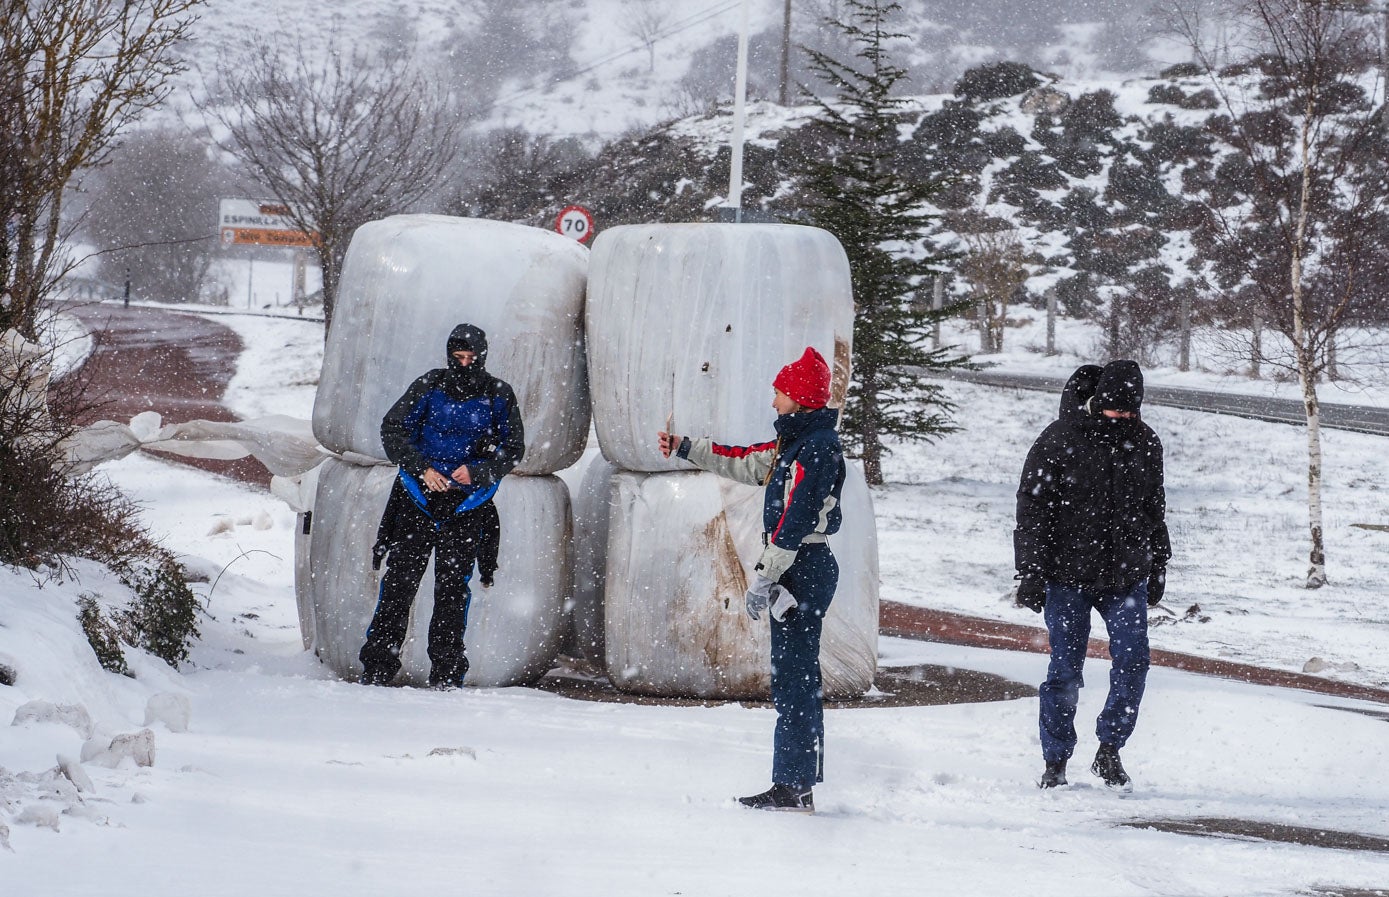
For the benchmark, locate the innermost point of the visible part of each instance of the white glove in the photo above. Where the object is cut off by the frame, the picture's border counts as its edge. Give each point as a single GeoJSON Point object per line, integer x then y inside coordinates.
{"type": "Point", "coordinates": [759, 595]}
{"type": "Point", "coordinates": [783, 602]}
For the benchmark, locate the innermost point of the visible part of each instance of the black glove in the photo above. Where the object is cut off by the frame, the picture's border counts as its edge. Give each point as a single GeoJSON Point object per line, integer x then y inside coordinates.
{"type": "Point", "coordinates": [1032, 592]}
{"type": "Point", "coordinates": [1157, 584]}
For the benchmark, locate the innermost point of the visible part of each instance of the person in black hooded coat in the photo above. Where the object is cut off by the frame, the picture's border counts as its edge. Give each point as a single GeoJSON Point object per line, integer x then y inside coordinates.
{"type": "Point", "coordinates": [1091, 534]}
{"type": "Point", "coordinates": [455, 433]}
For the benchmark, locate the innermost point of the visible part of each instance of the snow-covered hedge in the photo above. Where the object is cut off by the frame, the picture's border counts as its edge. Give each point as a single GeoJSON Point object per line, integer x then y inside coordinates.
{"type": "Point", "coordinates": [696, 319]}
{"type": "Point", "coordinates": [680, 552]}
{"type": "Point", "coordinates": [514, 627]}
{"type": "Point", "coordinates": [409, 279]}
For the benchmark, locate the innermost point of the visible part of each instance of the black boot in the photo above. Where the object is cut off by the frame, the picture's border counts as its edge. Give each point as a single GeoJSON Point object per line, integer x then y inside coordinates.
{"type": "Point", "coordinates": [1054, 776]}
{"type": "Point", "coordinates": [446, 677]}
{"type": "Point", "coordinates": [1108, 767]}
{"type": "Point", "coordinates": [782, 798]}
{"type": "Point", "coordinates": [375, 676]}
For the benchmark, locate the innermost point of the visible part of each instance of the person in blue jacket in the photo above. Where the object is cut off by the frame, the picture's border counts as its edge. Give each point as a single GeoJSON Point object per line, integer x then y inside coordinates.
{"type": "Point", "coordinates": [454, 433]}
{"type": "Point", "coordinates": [796, 575]}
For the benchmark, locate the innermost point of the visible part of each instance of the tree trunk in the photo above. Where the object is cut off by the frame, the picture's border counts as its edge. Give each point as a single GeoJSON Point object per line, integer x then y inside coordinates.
{"type": "Point", "coordinates": [869, 434]}
{"type": "Point", "coordinates": [1307, 369]}
{"type": "Point", "coordinates": [330, 262]}
{"type": "Point", "coordinates": [1316, 569]}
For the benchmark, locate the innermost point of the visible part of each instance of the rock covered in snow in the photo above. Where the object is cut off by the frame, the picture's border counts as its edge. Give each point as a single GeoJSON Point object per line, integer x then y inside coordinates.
{"type": "Point", "coordinates": [74, 716]}
{"type": "Point", "coordinates": [408, 279]}
{"type": "Point", "coordinates": [680, 553]}
{"type": "Point", "coordinates": [514, 627]}
{"type": "Point", "coordinates": [174, 711]}
{"type": "Point", "coordinates": [136, 747]}
{"type": "Point", "coordinates": [695, 320]}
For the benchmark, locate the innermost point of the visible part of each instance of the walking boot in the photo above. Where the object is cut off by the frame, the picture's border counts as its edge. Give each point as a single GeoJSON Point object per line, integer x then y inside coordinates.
{"type": "Point", "coordinates": [781, 798]}
{"type": "Point", "coordinates": [375, 676]}
{"type": "Point", "coordinates": [1054, 776]}
{"type": "Point", "coordinates": [1108, 768]}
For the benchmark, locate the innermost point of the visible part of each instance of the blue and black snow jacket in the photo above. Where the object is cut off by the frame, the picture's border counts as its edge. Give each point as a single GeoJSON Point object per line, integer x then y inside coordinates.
{"type": "Point", "coordinates": [446, 421]}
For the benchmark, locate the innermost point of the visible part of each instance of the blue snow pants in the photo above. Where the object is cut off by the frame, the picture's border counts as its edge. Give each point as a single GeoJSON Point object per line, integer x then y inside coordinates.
{"type": "Point", "coordinates": [1125, 615]}
{"type": "Point", "coordinates": [799, 743]}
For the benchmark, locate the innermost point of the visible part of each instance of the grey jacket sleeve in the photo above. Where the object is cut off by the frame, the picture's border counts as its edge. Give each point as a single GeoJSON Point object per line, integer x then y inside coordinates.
{"type": "Point", "coordinates": [748, 464]}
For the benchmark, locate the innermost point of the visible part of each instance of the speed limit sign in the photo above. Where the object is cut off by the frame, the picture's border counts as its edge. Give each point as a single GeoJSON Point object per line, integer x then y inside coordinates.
{"type": "Point", "coordinates": [576, 222]}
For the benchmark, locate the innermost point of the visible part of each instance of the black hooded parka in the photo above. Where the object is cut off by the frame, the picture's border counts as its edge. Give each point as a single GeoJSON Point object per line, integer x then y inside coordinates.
{"type": "Point", "coordinates": [1091, 505]}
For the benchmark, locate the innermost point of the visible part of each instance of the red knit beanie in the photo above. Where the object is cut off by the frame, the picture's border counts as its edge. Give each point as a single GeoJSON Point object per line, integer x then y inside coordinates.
{"type": "Point", "coordinates": [806, 380]}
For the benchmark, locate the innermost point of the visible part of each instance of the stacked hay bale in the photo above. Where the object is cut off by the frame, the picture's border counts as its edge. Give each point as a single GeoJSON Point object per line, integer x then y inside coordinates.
{"type": "Point", "coordinates": [406, 282]}
{"type": "Point", "coordinates": [693, 321]}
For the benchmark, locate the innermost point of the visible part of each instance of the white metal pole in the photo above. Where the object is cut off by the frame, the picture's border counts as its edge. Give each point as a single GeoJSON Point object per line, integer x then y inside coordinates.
{"type": "Point", "coordinates": [740, 89]}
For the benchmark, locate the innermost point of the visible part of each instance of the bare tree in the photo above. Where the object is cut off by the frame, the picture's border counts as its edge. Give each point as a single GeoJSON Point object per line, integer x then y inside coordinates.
{"type": "Point", "coordinates": [1296, 216]}
{"type": "Point", "coordinates": [993, 266]}
{"type": "Point", "coordinates": [341, 136]}
{"type": "Point", "coordinates": [153, 213]}
{"type": "Point", "coordinates": [73, 75]}
{"type": "Point", "coordinates": [646, 21]}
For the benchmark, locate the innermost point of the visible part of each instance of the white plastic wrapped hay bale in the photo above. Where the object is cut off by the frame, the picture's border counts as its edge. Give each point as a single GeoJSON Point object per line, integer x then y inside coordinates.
{"type": "Point", "coordinates": [514, 627]}
{"type": "Point", "coordinates": [592, 506]}
{"type": "Point", "coordinates": [680, 552]}
{"type": "Point", "coordinates": [409, 279]}
{"type": "Point", "coordinates": [696, 319]}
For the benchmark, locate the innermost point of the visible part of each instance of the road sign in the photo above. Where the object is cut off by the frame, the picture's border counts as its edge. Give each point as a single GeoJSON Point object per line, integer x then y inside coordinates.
{"type": "Point", "coordinates": [576, 222]}
{"type": "Point", "coordinates": [245, 221]}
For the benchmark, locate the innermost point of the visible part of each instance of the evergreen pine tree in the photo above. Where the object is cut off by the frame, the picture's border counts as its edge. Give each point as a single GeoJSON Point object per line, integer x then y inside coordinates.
{"type": "Point", "coordinates": [856, 192]}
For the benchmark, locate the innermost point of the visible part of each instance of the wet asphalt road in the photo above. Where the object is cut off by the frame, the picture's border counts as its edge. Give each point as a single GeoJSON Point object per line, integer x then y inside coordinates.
{"type": "Point", "coordinates": [1356, 418]}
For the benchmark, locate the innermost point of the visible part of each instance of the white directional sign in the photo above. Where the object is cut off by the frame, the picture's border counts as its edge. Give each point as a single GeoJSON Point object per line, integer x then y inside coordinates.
{"type": "Point", "coordinates": [243, 221]}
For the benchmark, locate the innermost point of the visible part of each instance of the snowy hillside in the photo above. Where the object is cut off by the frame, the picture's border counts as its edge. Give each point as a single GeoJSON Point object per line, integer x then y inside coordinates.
{"type": "Point", "coordinates": [597, 68]}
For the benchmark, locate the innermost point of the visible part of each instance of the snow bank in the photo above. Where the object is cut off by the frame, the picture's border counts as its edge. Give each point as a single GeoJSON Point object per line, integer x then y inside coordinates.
{"type": "Point", "coordinates": [513, 628]}
{"type": "Point", "coordinates": [409, 279]}
{"type": "Point", "coordinates": [696, 319]}
{"type": "Point", "coordinates": [681, 548]}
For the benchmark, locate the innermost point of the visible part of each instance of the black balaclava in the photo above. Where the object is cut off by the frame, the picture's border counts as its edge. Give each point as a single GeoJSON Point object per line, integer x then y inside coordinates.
{"type": "Point", "coordinates": [466, 381]}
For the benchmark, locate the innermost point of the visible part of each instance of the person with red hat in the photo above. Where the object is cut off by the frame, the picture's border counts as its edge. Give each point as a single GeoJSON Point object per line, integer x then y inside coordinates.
{"type": "Point", "coordinates": [802, 471]}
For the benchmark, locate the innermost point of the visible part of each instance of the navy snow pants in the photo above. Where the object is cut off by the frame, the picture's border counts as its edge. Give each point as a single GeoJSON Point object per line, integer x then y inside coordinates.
{"type": "Point", "coordinates": [1125, 615]}
{"type": "Point", "coordinates": [799, 743]}
{"type": "Point", "coordinates": [454, 545]}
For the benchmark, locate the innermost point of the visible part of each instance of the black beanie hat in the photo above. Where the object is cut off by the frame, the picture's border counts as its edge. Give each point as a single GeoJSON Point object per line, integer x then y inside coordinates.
{"type": "Point", "coordinates": [468, 338]}
{"type": "Point", "coordinates": [1120, 387]}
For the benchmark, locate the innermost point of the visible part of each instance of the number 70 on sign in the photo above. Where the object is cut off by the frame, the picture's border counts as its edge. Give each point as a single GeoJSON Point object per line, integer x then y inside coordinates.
{"type": "Point", "coordinates": [575, 222]}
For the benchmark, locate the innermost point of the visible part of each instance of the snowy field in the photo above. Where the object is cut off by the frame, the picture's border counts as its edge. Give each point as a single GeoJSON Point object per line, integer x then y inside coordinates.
{"type": "Point", "coordinates": [289, 782]}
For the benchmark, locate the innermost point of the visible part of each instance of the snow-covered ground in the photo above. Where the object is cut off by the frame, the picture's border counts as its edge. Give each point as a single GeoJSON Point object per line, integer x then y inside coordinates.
{"type": "Point", "coordinates": [289, 782]}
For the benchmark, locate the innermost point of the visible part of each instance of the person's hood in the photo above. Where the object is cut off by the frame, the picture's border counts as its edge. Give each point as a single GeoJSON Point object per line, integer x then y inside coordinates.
{"type": "Point", "coordinates": [1079, 389]}
{"type": "Point", "coordinates": [1120, 387]}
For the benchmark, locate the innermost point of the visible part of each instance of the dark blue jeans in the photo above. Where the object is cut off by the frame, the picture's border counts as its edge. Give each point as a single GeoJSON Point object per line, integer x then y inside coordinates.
{"type": "Point", "coordinates": [799, 743]}
{"type": "Point", "coordinates": [1125, 615]}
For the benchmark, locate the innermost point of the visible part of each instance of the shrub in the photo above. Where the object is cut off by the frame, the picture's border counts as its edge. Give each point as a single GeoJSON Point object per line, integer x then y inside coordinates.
{"type": "Point", "coordinates": [996, 81]}
{"type": "Point", "coordinates": [102, 634]}
{"type": "Point", "coordinates": [49, 514]}
{"type": "Point", "coordinates": [1182, 70]}
{"type": "Point", "coordinates": [163, 616]}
